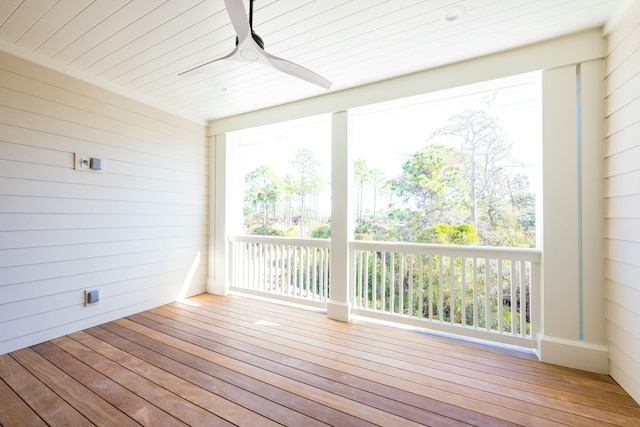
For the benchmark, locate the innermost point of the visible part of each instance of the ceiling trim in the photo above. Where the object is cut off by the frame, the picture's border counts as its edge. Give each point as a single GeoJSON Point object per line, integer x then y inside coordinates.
{"type": "Point", "coordinates": [571, 49]}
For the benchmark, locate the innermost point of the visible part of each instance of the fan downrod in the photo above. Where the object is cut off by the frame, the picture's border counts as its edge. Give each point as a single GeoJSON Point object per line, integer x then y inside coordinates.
{"type": "Point", "coordinates": [254, 36]}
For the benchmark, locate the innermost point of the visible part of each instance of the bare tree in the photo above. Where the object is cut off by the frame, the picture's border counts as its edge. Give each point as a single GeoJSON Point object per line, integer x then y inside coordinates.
{"type": "Point", "coordinates": [362, 175]}
{"type": "Point", "coordinates": [263, 187]}
{"type": "Point", "coordinates": [306, 166]}
{"type": "Point", "coordinates": [480, 136]}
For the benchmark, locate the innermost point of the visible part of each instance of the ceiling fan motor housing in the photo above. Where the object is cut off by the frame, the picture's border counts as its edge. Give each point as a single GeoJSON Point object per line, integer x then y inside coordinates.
{"type": "Point", "coordinates": [255, 38]}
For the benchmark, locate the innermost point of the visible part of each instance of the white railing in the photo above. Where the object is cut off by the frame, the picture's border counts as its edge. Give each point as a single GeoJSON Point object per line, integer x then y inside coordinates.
{"type": "Point", "coordinates": [284, 268]}
{"type": "Point", "coordinates": [482, 292]}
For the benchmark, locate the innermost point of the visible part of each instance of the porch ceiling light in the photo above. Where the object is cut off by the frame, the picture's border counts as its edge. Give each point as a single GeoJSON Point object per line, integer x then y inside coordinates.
{"type": "Point", "coordinates": [454, 13]}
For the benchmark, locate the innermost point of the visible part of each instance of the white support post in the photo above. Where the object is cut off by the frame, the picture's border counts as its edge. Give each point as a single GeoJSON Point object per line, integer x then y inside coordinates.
{"type": "Point", "coordinates": [218, 279]}
{"type": "Point", "coordinates": [572, 277]}
{"type": "Point", "coordinates": [338, 306]}
{"type": "Point", "coordinates": [592, 202]}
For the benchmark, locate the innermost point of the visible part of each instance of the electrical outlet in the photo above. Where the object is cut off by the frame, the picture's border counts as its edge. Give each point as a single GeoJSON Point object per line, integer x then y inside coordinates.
{"type": "Point", "coordinates": [91, 297]}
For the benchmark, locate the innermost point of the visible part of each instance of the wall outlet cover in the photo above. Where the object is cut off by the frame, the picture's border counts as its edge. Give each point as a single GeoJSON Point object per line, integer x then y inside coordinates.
{"type": "Point", "coordinates": [86, 163]}
{"type": "Point", "coordinates": [91, 297]}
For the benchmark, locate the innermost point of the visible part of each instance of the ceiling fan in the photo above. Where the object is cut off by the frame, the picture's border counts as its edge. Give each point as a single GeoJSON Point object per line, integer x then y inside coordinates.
{"type": "Point", "coordinates": [250, 48]}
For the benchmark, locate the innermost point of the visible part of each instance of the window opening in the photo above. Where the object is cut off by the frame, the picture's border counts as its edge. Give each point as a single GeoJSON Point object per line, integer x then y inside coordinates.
{"type": "Point", "coordinates": [284, 171]}
{"type": "Point", "coordinates": [452, 167]}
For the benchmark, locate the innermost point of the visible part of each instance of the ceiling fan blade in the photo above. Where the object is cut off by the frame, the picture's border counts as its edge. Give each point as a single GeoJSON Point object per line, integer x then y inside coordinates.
{"type": "Point", "coordinates": [296, 70]}
{"type": "Point", "coordinates": [204, 67]}
{"type": "Point", "coordinates": [238, 16]}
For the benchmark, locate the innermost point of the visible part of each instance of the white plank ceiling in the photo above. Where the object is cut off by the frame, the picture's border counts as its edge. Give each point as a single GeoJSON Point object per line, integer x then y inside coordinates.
{"type": "Point", "coordinates": [138, 47]}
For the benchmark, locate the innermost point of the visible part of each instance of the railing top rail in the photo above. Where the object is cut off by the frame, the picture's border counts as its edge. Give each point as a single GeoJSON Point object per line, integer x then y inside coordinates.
{"type": "Point", "coordinates": [278, 240]}
{"type": "Point", "coordinates": [525, 254]}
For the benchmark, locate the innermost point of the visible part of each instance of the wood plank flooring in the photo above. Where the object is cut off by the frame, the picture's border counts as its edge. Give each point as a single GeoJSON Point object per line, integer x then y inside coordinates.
{"type": "Point", "coordinates": [240, 361]}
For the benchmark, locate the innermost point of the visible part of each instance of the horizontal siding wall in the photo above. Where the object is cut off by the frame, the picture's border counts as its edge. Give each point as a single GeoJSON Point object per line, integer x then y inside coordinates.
{"type": "Point", "coordinates": [622, 193]}
{"type": "Point", "coordinates": [137, 231]}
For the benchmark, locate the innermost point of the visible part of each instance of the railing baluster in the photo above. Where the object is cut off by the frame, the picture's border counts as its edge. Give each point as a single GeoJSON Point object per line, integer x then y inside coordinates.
{"type": "Point", "coordinates": [264, 263]}
{"type": "Point", "coordinates": [430, 299]}
{"type": "Point", "coordinates": [290, 250]}
{"type": "Point", "coordinates": [244, 248]}
{"type": "Point", "coordinates": [256, 271]}
{"type": "Point", "coordinates": [327, 260]}
{"type": "Point", "coordinates": [463, 292]}
{"type": "Point", "coordinates": [261, 273]}
{"type": "Point", "coordinates": [254, 258]}
{"type": "Point", "coordinates": [323, 276]}
{"type": "Point", "coordinates": [272, 285]}
{"type": "Point", "coordinates": [452, 289]}
{"type": "Point", "coordinates": [383, 283]}
{"type": "Point", "coordinates": [284, 252]}
{"type": "Point", "coordinates": [410, 302]}
{"type": "Point", "coordinates": [360, 277]}
{"type": "Point", "coordinates": [475, 292]}
{"type": "Point", "coordinates": [245, 266]}
{"type": "Point", "coordinates": [523, 298]}
{"type": "Point", "coordinates": [314, 271]}
{"type": "Point", "coordinates": [392, 282]}
{"type": "Point", "coordinates": [441, 289]}
{"type": "Point", "coordinates": [374, 284]}
{"type": "Point", "coordinates": [305, 271]}
{"type": "Point", "coordinates": [250, 257]}
{"type": "Point", "coordinates": [514, 298]}
{"type": "Point", "coordinates": [366, 279]}
{"type": "Point", "coordinates": [487, 295]}
{"type": "Point", "coordinates": [297, 259]}
{"type": "Point", "coordinates": [500, 298]}
{"type": "Point", "coordinates": [401, 284]}
{"type": "Point", "coordinates": [320, 282]}
{"type": "Point", "coordinates": [421, 284]}
{"type": "Point", "coordinates": [307, 281]}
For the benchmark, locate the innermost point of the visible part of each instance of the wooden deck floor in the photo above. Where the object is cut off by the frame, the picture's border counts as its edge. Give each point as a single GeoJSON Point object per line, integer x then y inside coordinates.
{"type": "Point", "coordinates": [239, 361]}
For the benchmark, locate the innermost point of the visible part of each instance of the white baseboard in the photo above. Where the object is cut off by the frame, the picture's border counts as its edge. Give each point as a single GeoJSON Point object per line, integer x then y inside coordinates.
{"type": "Point", "coordinates": [217, 288]}
{"type": "Point", "coordinates": [339, 311]}
{"type": "Point", "coordinates": [573, 354]}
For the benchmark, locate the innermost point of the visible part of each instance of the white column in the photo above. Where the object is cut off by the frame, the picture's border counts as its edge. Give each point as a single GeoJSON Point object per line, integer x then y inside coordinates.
{"type": "Point", "coordinates": [218, 278]}
{"type": "Point", "coordinates": [339, 307]}
{"type": "Point", "coordinates": [572, 241]}
{"type": "Point", "coordinates": [593, 202]}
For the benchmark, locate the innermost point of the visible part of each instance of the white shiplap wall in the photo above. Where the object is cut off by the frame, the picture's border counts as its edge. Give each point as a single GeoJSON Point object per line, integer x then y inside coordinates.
{"type": "Point", "coordinates": [134, 231]}
{"type": "Point", "coordinates": [622, 196]}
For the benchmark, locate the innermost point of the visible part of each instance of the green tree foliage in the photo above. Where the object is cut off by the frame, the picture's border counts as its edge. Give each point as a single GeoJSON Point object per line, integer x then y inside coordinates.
{"type": "Point", "coordinates": [462, 187]}
{"type": "Point", "coordinates": [464, 176]}
{"type": "Point", "coordinates": [462, 234]}
{"type": "Point", "coordinates": [429, 186]}
{"type": "Point", "coordinates": [262, 188]}
{"type": "Point", "coordinates": [362, 176]}
{"type": "Point", "coordinates": [306, 180]}
{"type": "Point", "coordinates": [286, 206]}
